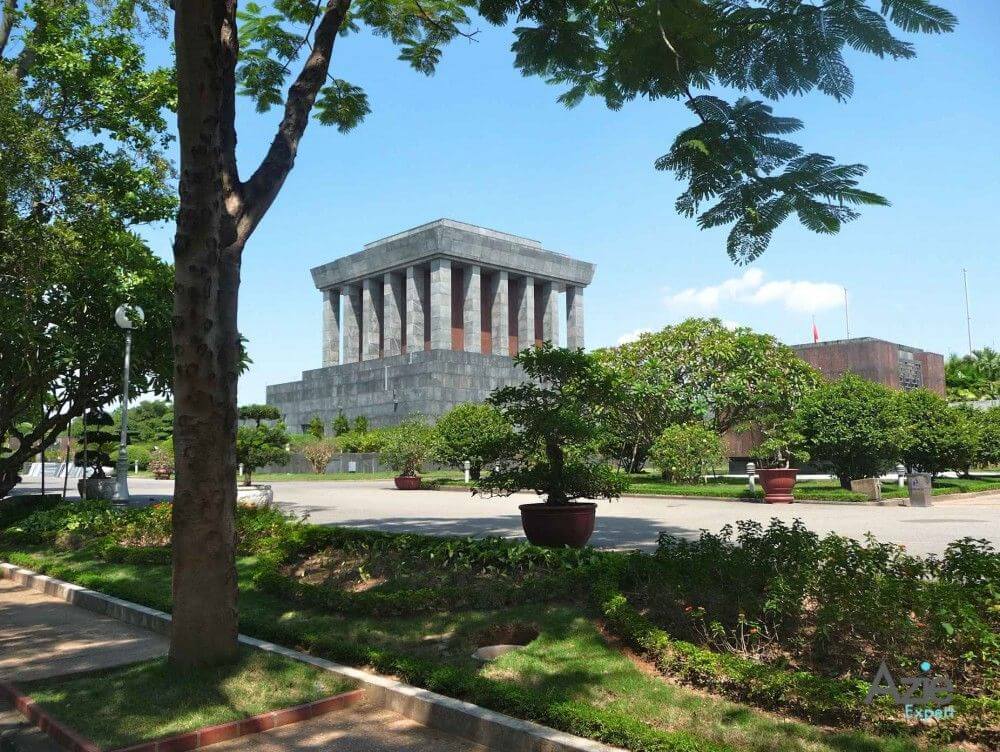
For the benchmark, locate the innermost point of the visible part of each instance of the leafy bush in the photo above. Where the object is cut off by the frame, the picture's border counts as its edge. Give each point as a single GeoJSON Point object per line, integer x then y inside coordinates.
{"type": "Point", "coordinates": [316, 428]}
{"type": "Point", "coordinates": [367, 441]}
{"type": "Point", "coordinates": [341, 425]}
{"type": "Point", "coordinates": [474, 432]}
{"type": "Point", "coordinates": [935, 437]}
{"type": "Point", "coordinates": [832, 604]}
{"type": "Point", "coordinates": [852, 424]}
{"type": "Point", "coordinates": [989, 437]}
{"type": "Point", "coordinates": [319, 452]}
{"type": "Point", "coordinates": [260, 445]}
{"type": "Point", "coordinates": [407, 446]}
{"type": "Point", "coordinates": [161, 461]}
{"type": "Point", "coordinates": [683, 452]}
{"type": "Point", "coordinates": [555, 418]}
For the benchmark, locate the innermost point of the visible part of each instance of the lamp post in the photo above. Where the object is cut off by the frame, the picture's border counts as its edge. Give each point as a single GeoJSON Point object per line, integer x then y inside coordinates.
{"type": "Point", "coordinates": [122, 318]}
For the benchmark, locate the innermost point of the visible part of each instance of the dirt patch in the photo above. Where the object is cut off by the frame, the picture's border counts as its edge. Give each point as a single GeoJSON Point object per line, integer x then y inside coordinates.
{"type": "Point", "coordinates": [516, 633]}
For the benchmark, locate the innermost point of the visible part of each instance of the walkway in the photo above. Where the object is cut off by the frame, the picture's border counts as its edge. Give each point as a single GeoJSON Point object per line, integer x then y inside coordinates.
{"type": "Point", "coordinates": [42, 636]}
{"type": "Point", "coordinates": [630, 522]}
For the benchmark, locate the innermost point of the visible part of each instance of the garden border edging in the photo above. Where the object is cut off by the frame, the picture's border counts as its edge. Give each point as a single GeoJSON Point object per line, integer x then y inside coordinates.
{"type": "Point", "coordinates": [472, 722]}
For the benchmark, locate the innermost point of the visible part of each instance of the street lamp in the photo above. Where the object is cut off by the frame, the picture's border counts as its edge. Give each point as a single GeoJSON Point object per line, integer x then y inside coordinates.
{"type": "Point", "coordinates": [126, 317]}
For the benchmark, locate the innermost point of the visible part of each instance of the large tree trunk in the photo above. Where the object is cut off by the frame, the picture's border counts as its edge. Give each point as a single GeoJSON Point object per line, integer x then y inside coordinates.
{"type": "Point", "coordinates": [206, 351]}
{"type": "Point", "coordinates": [218, 213]}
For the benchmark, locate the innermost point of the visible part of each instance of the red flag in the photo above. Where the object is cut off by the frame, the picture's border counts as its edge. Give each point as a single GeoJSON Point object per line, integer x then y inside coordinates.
{"type": "Point", "coordinates": [815, 331]}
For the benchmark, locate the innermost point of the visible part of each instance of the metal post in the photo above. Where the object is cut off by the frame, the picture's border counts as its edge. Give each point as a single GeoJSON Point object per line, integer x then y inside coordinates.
{"type": "Point", "coordinates": [847, 317]}
{"type": "Point", "coordinates": [968, 315]}
{"type": "Point", "coordinates": [751, 469]}
{"type": "Point", "coordinates": [121, 471]}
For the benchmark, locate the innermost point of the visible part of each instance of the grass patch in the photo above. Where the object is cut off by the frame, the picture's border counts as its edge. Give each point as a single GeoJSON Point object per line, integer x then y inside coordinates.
{"type": "Point", "coordinates": [148, 700]}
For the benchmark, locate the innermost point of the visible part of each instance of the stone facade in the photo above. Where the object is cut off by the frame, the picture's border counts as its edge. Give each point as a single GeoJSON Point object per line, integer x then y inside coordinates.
{"type": "Point", "coordinates": [888, 363]}
{"type": "Point", "coordinates": [424, 320]}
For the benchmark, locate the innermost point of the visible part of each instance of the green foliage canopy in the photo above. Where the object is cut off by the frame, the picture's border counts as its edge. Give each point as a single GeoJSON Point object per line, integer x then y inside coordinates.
{"type": "Point", "coordinates": [684, 452]}
{"type": "Point", "coordinates": [260, 445]}
{"type": "Point", "coordinates": [474, 432]}
{"type": "Point", "coordinates": [407, 445]}
{"type": "Point", "coordinates": [556, 419]}
{"type": "Point", "coordinates": [739, 169]}
{"type": "Point", "coordinates": [853, 424]}
{"type": "Point", "coordinates": [697, 371]}
{"type": "Point", "coordinates": [935, 437]}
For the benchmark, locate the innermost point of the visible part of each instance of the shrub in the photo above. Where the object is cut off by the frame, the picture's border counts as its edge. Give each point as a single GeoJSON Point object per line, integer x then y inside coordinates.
{"type": "Point", "coordinates": [316, 428]}
{"type": "Point", "coordinates": [407, 446]}
{"type": "Point", "coordinates": [853, 425]}
{"type": "Point", "coordinates": [369, 441]}
{"type": "Point", "coordinates": [934, 437]}
{"type": "Point", "coordinates": [260, 445]}
{"type": "Point", "coordinates": [161, 461]}
{"type": "Point", "coordinates": [341, 425]}
{"type": "Point", "coordinates": [361, 424]}
{"type": "Point", "coordinates": [474, 432]}
{"type": "Point", "coordinates": [989, 437]}
{"type": "Point", "coordinates": [554, 414]}
{"type": "Point", "coordinates": [682, 452]}
{"type": "Point", "coordinates": [319, 452]}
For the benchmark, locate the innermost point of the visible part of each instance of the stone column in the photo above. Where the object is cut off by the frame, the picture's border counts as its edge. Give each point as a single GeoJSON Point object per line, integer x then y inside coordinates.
{"type": "Point", "coordinates": [440, 295]}
{"type": "Point", "coordinates": [550, 313]}
{"type": "Point", "coordinates": [499, 325]}
{"type": "Point", "coordinates": [351, 295]}
{"type": "Point", "coordinates": [415, 294]}
{"type": "Point", "coordinates": [392, 314]}
{"type": "Point", "coordinates": [574, 317]}
{"type": "Point", "coordinates": [472, 308]}
{"type": "Point", "coordinates": [331, 327]}
{"type": "Point", "coordinates": [526, 315]}
{"type": "Point", "coordinates": [371, 294]}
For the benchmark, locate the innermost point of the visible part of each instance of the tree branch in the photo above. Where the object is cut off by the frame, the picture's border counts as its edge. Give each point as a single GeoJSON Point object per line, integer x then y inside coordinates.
{"type": "Point", "coordinates": [232, 188]}
{"type": "Point", "coordinates": [263, 186]}
{"type": "Point", "coordinates": [7, 23]}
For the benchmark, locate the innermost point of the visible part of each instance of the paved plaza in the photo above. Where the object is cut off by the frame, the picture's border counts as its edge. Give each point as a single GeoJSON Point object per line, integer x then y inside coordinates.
{"type": "Point", "coordinates": [630, 522]}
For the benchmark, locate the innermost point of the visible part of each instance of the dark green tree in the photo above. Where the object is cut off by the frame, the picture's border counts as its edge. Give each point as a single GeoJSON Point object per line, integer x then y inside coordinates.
{"type": "Point", "coordinates": [853, 425]}
{"type": "Point", "coordinates": [555, 417]}
{"type": "Point", "coordinates": [474, 432]}
{"type": "Point", "coordinates": [739, 169]}
{"type": "Point", "coordinates": [81, 139]}
{"type": "Point", "coordinates": [260, 445]}
{"type": "Point", "coordinates": [934, 437]}
{"type": "Point", "coordinates": [316, 427]}
{"type": "Point", "coordinates": [341, 425]}
{"type": "Point", "coordinates": [259, 413]}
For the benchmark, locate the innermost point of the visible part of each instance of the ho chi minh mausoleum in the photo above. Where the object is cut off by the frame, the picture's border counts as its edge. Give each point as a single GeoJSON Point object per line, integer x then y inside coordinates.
{"type": "Point", "coordinates": [426, 319]}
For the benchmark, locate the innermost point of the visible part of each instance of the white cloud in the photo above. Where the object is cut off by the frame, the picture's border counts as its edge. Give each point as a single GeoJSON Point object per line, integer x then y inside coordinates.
{"type": "Point", "coordinates": [631, 336]}
{"type": "Point", "coordinates": [801, 296]}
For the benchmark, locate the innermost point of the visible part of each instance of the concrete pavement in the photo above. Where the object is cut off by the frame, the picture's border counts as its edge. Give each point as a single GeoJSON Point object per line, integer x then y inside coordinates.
{"type": "Point", "coordinates": [630, 522]}
{"type": "Point", "coordinates": [42, 636]}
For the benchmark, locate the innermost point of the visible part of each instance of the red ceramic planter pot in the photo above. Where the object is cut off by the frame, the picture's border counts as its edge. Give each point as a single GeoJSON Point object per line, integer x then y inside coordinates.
{"type": "Point", "coordinates": [407, 482]}
{"type": "Point", "coordinates": [778, 484]}
{"type": "Point", "coordinates": [558, 525]}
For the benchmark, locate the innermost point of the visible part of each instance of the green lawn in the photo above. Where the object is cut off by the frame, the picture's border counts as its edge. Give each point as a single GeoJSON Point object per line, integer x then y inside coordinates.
{"type": "Point", "coordinates": [148, 700]}
{"type": "Point", "coordinates": [569, 677]}
{"type": "Point", "coordinates": [455, 475]}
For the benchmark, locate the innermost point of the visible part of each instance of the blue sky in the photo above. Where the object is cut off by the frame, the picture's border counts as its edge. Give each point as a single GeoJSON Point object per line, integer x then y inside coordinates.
{"type": "Point", "coordinates": [479, 143]}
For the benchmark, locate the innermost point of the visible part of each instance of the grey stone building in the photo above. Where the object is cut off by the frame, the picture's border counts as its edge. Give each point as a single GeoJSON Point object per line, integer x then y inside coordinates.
{"type": "Point", "coordinates": [426, 319]}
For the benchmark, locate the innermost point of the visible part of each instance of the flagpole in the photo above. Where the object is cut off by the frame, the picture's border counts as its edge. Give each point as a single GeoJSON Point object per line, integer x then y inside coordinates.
{"type": "Point", "coordinates": [847, 316]}
{"type": "Point", "coordinates": [968, 315]}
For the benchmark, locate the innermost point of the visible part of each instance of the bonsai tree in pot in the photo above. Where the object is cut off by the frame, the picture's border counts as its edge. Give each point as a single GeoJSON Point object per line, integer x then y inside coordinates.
{"type": "Point", "coordinates": [553, 449]}
{"type": "Point", "coordinates": [781, 447]}
{"type": "Point", "coordinates": [405, 450]}
{"type": "Point", "coordinates": [97, 441]}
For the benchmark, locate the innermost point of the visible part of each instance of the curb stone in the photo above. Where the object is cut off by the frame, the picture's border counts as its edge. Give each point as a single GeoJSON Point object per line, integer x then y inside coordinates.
{"type": "Point", "coordinates": [189, 740]}
{"type": "Point", "coordinates": [489, 728]}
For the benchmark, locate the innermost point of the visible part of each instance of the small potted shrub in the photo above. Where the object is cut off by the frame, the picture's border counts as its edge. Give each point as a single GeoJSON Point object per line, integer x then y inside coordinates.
{"type": "Point", "coordinates": [553, 450]}
{"type": "Point", "coordinates": [775, 455]}
{"type": "Point", "coordinates": [161, 464]}
{"type": "Point", "coordinates": [405, 449]}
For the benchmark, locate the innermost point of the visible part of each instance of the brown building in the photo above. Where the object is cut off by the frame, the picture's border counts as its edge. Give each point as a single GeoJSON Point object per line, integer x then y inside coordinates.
{"type": "Point", "coordinates": [896, 366]}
